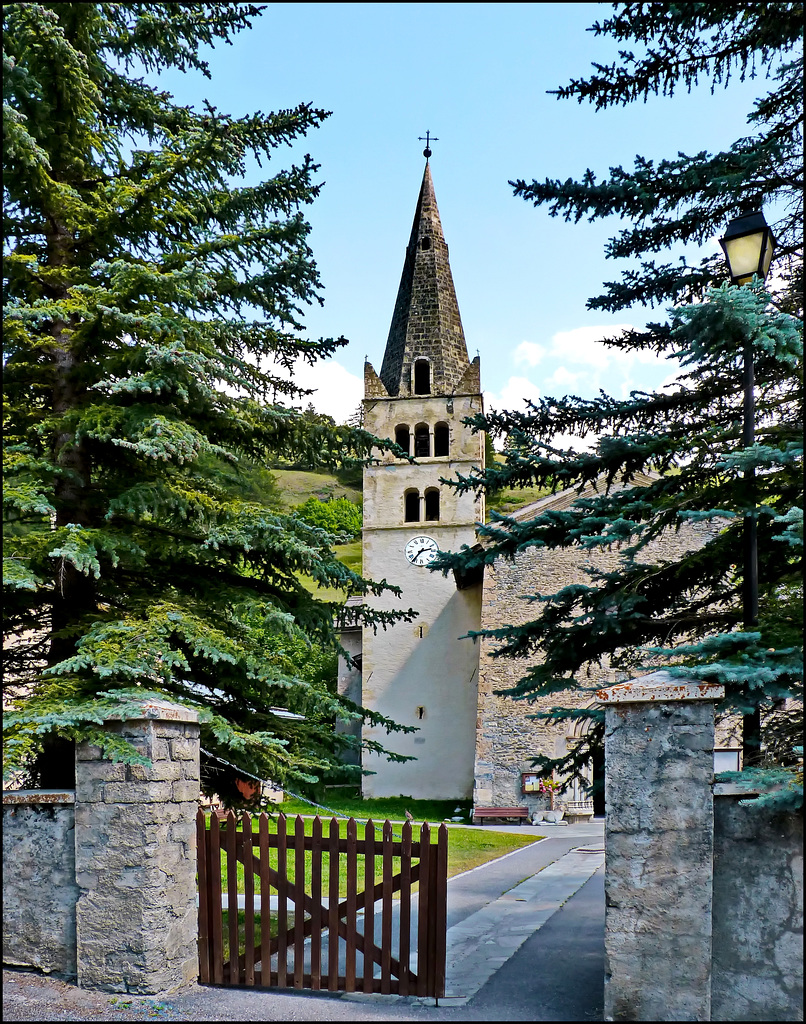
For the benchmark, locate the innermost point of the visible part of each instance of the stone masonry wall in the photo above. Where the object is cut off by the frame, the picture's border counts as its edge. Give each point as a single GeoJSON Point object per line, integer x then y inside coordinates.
{"type": "Point", "coordinates": [136, 858]}
{"type": "Point", "coordinates": [507, 738]}
{"type": "Point", "coordinates": [758, 913]}
{"type": "Point", "coordinates": [39, 881]}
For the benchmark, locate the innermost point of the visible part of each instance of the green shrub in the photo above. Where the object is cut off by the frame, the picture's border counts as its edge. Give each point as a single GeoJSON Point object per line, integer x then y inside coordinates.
{"type": "Point", "coordinates": [338, 516]}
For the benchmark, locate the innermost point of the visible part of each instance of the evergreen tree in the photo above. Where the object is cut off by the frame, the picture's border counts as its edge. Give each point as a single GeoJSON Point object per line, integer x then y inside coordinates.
{"type": "Point", "coordinates": [677, 456]}
{"type": "Point", "coordinates": [144, 296]}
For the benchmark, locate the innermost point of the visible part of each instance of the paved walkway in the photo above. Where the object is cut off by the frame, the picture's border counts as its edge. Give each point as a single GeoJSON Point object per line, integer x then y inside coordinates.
{"type": "Point", "coordinates": [483, 942]}
{"type": "Point", "coordinates": [494, 908]}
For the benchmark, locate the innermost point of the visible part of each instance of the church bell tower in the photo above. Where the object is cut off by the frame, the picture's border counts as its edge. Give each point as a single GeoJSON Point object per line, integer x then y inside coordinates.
{"type": "Point", "coordinates": [421, 673]}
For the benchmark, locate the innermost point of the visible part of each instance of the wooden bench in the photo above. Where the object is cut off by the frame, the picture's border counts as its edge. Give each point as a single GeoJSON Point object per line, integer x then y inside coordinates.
{"type": "Point", "coordinates": [480, 813]}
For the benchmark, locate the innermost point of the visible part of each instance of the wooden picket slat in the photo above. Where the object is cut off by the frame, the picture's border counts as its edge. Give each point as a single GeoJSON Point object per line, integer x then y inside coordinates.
{"type": "Point", "coordinates": [440, 912]}
{"type": "Point", "coordinates": [299, 901]}
{"type": "Point", "coordinates": [265, 900]}
{"type": "Point", "coordinates": [369, 903]}
{"type": "Point", "coordinates": [204, 899]}
{"type": "Point", "coordinates": [249, 908]}
{"type": "Point", "coordinates": [282, 901]}
{"type": "Point", "coordinates": [217, 922]}
{"type": "Point", "coordinates": [333, 908]}
{"type": "Point", "coordinates": [386, 909]}
{"type": "Point", "coordinates": [318, 908]}
{"type": "Point", "coordinates": [352, 901]}
{"type": "Point", "coordinates": [232, 898]}
{"type": "Point", "coordinates": [405, 910]}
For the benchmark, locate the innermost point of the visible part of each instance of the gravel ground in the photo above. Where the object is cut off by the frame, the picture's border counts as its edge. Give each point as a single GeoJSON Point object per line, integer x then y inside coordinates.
{"type": "Point", "coordinates": [29, 996]}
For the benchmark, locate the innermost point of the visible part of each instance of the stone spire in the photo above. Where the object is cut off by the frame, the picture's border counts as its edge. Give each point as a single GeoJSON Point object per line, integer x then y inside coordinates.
{"type": "Point", "coordinates": [426, 325]}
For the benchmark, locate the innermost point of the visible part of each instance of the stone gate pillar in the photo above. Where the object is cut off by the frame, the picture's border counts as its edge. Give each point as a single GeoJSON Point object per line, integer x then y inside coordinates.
{"type": "Point", "coordinates": [135, 840]}
{"type": "Point", "coordinates": [659, 838]}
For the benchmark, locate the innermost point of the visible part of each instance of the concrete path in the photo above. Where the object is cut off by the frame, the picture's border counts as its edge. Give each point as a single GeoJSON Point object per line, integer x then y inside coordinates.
{"type": "Point", "coordinates": [483, 942]}
{"type": "Point", "coordinates": [495, 908]}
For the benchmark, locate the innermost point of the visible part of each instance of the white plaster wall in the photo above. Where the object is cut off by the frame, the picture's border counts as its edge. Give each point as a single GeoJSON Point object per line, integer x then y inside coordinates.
{"type": "Point", "coordinates": [403, 671]}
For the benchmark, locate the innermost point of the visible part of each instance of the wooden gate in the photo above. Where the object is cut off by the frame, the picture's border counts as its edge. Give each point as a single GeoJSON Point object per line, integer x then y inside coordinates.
{"type": "Point", "coordinates": [312, 935]}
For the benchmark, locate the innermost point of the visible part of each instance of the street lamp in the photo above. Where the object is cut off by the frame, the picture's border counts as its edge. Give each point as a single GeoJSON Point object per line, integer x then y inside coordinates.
{"type": "Point", "coordinates": [748, 245]}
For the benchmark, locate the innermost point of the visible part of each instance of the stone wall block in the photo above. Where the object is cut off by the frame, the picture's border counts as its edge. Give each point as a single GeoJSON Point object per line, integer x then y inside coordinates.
{"type": "Point", "coordinates": [758, 913]}
{"type": "Point", "coordinates": [659, 740]}
{"type": "Point", "coordinates": [88, 752]}
{"type": "Point", "coordinates": [188, 769]}
{"type": "Point", "coordinates": [160, 771]}
{"type": "Point", "coordinates": [39, 882]}
{"type": "Point", "coordinates": [135, 860]}
{"type": "Point", "coordinates": [185, 791]}
{"type": "Point", "coordinates": [184, 749]}
{"type": "Point", "coordinates": [136, 793]}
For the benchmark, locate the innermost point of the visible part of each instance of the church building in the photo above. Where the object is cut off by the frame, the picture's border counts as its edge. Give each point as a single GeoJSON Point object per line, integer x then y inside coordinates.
{"type": "Point", "coordinates": [421, 673]}
{"type": "Point", "coordinates": [470, 742]}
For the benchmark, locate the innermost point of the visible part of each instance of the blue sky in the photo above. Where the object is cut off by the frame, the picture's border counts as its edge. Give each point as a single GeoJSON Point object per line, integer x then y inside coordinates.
{"type": "Point", "coordinates": [476, 76]}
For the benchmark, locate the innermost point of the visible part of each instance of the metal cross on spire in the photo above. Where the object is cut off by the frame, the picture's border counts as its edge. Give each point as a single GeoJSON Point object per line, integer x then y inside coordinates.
{"type": "Point", "coordinates": [427, 140]}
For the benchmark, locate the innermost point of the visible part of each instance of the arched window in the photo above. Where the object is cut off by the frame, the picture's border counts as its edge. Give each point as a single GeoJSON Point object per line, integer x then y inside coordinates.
{"type": "Point", "coordinates": [425, 242]}
{"type": "Point", "coordinates": [411, 501]}
{"type": "Point", "coordinates": [403, 437]}
{"type": "Point", "coordinates": [432, 504]}
{"type": "Point", "coordinates": [441, 439]}
{"type": "Point", "coordinates": [422, 441]}
{"type": "Point", "coordinates": [422, 377]}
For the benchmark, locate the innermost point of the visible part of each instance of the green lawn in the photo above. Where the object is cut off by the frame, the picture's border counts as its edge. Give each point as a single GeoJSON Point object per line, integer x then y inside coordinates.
{"type": "Point", "coordinates": [467, 847]}
{"type": "Point", "coordinates": [394, 808]}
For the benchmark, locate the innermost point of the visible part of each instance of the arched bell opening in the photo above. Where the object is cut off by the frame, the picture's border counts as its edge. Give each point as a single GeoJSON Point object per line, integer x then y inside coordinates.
{"type": "Point", "coordinates": [432, 504]}
{"type": "Point", "coordinates": [411, 506]}
{"type": "Point", "coordinates": [442, 439]}
{"type": "Point", "coordinates": [403, 437]}
{"type": "Point", "coordinates": [422, 441]}
{"type": "Point", "coordinates": [422, 377]}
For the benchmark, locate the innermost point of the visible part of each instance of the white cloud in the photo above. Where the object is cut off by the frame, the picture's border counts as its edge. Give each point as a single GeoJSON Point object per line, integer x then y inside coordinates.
{"type": "Point", "coordinates": [337, 392]}
{"type": "Point", "coordinates": [528, 352]}
{"type": "Point", "coordinates": [583, 345]}
{"type": "Point", "coordinates": [514, 393]}
{"type": "Point", "coordinates": [564, 381]}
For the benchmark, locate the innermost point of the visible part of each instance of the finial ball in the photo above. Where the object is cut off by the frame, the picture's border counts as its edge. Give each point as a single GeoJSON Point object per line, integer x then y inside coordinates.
{"type": "Point", "coordinates": [426, 152]}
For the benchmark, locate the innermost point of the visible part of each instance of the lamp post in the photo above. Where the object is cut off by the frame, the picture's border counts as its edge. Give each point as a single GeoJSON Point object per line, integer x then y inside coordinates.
{"type": "Point", "coordinates": [748, 245]}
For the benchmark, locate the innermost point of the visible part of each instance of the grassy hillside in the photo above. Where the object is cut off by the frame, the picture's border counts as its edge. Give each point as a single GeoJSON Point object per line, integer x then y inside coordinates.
{"type": "Point", "coordinates": [297, 485]}
{"type": "Point", "coordinates": [350, 555]}
{"type": "Point", "coordinates": [510, 499]}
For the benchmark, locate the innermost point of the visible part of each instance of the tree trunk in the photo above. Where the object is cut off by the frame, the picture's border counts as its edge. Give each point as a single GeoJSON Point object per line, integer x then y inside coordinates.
{"type": "Point", "coordinates": [73, 592]}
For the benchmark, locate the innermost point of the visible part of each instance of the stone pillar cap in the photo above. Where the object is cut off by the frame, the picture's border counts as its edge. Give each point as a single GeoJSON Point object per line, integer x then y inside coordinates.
{"type": "Point", "coordinates": [39, 796]}
{"type": "Point", "coordinates": [659, 686]}
{"type": "Point", "coordinates": [158, 708]}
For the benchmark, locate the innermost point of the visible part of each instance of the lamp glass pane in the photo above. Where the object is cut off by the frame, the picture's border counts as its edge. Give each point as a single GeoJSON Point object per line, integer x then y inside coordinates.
{"type": "Point", "coordinates": [766, 259]}
{"type": "Point", "coordinates": [743, 254]}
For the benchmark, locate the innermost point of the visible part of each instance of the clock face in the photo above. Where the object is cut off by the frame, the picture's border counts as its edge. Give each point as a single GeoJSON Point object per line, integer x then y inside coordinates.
{"type": "Point", "coordinates": [421, 550]}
